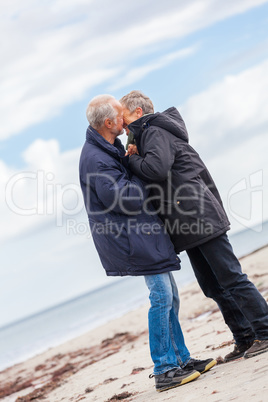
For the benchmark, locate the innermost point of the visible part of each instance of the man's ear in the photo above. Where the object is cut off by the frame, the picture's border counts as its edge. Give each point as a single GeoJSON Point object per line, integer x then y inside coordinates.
{"type": "Point", "coordinates": [108, 123]}
{"type": "Point", "coordinates": [139, 112]}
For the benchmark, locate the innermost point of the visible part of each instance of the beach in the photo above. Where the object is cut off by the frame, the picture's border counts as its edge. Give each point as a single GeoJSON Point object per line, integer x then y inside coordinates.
{"type": "Point", "coordinates": [112, 362]}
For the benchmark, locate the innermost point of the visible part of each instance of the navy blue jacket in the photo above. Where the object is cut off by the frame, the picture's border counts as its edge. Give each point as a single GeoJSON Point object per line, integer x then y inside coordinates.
{"type": "Point", "coordinates": [129, 240]}
{"type": "Point", "coordinates": [189, 203]}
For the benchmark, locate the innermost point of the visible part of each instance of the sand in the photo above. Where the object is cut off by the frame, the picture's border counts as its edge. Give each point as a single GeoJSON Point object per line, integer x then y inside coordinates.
{"type": "Point", "coordinates": [113, 362]}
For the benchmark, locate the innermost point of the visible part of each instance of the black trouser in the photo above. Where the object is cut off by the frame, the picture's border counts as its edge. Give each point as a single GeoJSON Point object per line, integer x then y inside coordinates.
{"type": "Point", "coordinates": [219, 275]}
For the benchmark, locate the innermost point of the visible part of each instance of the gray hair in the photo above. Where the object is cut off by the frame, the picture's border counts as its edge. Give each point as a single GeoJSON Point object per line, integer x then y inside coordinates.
{"type": "Point", "coordinates": [99, 109]}
{"type": "Point", "coordinates": [137, 99]}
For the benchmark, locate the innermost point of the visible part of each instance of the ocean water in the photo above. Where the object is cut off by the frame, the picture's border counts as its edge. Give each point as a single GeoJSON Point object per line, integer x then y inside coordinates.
{"type": "Point", "coordinates": [35, 334]}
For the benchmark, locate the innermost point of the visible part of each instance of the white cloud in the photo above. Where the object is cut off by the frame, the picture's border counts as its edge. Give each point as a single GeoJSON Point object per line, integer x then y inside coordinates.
{"type": "Point", "coordinates": [137, 73]}
{"type": "Point", "coordinates": [228, 125]}
{"type": "Point", "coordinates": [229, 110]}
{"type": "Point", "coordinates": [247, 57]}
{"type": "Point", "coordinates": [233, 171]}
{"type": "Point", "coordinates": [44, 193]}
{"type": "Point", "coordinates": [57, 52]}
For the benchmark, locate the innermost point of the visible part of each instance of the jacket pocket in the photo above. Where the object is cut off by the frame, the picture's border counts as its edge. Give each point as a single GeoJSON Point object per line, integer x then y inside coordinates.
{"type": "Point", "coordinates": [150, 245]}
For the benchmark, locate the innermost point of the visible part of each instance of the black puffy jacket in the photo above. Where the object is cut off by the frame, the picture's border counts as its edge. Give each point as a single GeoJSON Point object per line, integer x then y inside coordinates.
{"type": "Point", "coordinates": [182, 188]}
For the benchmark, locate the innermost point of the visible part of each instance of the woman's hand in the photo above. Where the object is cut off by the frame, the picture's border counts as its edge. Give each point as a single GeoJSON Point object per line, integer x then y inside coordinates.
{"type": "Point", "coordinates": [132, 149]}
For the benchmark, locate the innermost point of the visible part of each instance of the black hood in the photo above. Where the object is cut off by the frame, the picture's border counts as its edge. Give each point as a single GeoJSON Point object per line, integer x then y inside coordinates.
{"type": "Point", "coordinates": [169, 120]}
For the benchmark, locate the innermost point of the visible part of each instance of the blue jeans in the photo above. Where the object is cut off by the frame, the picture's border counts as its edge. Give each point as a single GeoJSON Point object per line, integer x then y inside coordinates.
{"type": "Point", "coordinates": [219, 275]}
{"type": "Point", "coordinates": [167, 346]}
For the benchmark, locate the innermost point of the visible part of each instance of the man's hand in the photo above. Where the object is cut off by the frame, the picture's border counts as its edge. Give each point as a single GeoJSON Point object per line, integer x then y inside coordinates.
{"type": "Point", "coordinates": [132, 149]}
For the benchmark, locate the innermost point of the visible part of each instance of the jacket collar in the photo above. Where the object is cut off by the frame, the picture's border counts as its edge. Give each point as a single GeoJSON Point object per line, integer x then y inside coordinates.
{"type": "Point", "coordinates": [138, 126]}
{"type": "Point", "coordinates": [169, 120]}
{"type": "Point", "coordinates": [93, 137]}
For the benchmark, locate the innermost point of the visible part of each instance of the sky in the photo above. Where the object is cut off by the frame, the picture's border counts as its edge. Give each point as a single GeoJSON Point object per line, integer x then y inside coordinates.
{"type": "Point", "coordinates": [208, 58]}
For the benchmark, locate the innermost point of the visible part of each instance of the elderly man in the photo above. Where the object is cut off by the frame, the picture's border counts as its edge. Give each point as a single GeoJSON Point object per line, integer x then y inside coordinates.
{"type": "Point", "coordinates": [189, 204]}
{"type": "Point", "coordinates": [131, 240]}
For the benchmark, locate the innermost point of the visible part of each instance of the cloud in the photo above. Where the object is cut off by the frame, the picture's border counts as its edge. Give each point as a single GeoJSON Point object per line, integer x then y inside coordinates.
{"type": "Point", "coordinates": [230, 110]}
{"type": "Point", "coordinates": [235, 171]}
{"type": "Point", "coordinates": [228, 126]}
{"type": "Point", "coordinates": [56, 52]}
{"type": "Point", "coordinates": [250, 56]}
{"type": "Point", "coordinates": [137, 73]}
{"type": "Point", "coordinates": [44, 193]}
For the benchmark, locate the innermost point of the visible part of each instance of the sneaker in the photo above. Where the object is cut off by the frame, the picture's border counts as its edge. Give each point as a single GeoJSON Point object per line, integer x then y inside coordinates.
{"type": "Point", "coordinates": [238, 351]}
{"type": "Point", "coordinates": [257, 348]}
{"type": "Point", "coordinates": [200, 365]}
{"type": "Point", "coordinates": [173, 378]}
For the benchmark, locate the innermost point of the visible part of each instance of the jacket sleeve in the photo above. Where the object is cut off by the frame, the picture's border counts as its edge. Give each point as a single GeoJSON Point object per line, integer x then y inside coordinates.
{"type": "Point", "coordinates": [119, 192]}
{"type": "Point", "coordinates": [159, 156]}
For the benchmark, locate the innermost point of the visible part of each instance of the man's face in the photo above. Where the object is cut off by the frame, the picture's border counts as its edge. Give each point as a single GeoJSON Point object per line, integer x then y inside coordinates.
{"type": "Point", "coordinates": [130, 117]}
{"type": "Point", "coordinates": [118, 124]}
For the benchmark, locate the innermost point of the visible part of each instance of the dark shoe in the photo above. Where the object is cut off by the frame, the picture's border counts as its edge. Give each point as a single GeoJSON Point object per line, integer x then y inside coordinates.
{"type": "Point", "coordinates": [257, 348]}
{"type": "Point", "coordinates": [173, 378]}
{"type": "Point", "coordinates": [200, 365]}
{"type": "Point", "coordinates": [238, 351]}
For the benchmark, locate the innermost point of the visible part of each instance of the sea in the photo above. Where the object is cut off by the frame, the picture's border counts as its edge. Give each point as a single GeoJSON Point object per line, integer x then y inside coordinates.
{"type": "Point", "coordinates": [35, 334]}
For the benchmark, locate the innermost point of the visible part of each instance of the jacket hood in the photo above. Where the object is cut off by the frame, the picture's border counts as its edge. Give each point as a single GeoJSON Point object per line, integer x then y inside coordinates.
{"type": "Point", "coordinates": [117, 150]}
{"type": "Point", "coordinates": [169, 120]}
